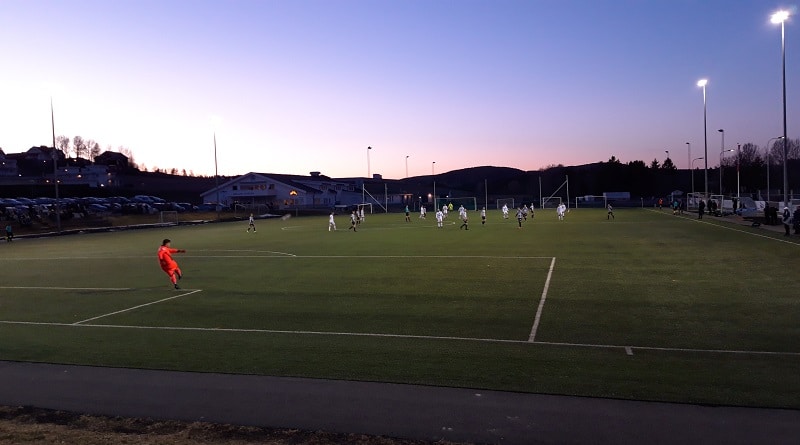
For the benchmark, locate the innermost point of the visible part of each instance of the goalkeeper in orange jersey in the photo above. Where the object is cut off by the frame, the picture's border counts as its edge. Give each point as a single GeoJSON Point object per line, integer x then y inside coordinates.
{"type": "Point", "coordinates": [168, 265]}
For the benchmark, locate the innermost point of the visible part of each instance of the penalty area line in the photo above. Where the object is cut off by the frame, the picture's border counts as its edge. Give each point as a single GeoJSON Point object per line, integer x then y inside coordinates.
{"type": "Point", "coordinates": [139, 306]}
{"type": "Point", "coordinates": [541, 302]}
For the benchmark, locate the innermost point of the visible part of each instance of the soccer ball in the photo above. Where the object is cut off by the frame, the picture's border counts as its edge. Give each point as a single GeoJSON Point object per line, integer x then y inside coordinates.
{"type": "Point", "coordinates": [286, 216]}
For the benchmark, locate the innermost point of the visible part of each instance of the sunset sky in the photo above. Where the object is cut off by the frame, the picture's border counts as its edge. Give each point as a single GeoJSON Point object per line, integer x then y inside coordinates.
{"type": "Point", "coordinates": [295, 86]}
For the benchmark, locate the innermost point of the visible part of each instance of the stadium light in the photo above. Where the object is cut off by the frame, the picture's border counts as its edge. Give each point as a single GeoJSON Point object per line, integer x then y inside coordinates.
{"type": "Point", "coordinates": [781, 17]}
{"type": "Point", "coordinates": [702, 83]}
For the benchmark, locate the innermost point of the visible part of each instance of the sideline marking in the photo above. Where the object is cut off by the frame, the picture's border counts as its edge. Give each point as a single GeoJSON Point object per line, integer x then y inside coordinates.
{"type": "Point", "coordinates": [541, 302]}
{"type": "Point", "coordinates": [723, 225]}
{"type": "Point", "coordinates": [405, 336]}
{"type": "Point", "coordinates": [249, 251]}
{"type": "Point", "coordinates": [139, 306]}
{"type": "Point", "coordinates": [66, 288]}
{"type": "Point", "coordinates": [281, 255]}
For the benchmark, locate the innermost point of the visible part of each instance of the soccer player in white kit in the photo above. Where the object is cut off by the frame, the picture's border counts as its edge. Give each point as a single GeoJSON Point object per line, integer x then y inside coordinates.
{"type": "Point", "coordinates": [439, 218]}
{"type": "Point", "coordinates": [361, 216]}
{"type": "Point", "coordinates": [505, 211]}
{"type": "Point", "coordinates": [331, 223]}
{"type": "Point", "coordinates": [444, 211]}
{"type": "Point", "coordinates": [252, 224]}
{"type": "Point", "coordinates": [422, 211]}
{"type": "Point", "coordinates": [560, 211]}
{"type": "Point", "coordinates": [483, 216]}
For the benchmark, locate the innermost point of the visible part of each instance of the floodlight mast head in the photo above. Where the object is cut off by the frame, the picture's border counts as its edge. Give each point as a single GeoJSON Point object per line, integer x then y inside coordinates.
{"type": "Point", "coordinates": [702, 82]}
{"type": "Point", "coordinates": [779, 17]}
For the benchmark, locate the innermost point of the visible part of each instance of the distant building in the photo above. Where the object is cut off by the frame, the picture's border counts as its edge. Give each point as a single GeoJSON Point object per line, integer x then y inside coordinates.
{"type": "Point", "coordinates": [44, 154]}
{"type": "Point", "coordinates": [280, 191]}
{"type": "Point", "coordinates": [112, 159]}
{"type": "Point", "coordinates": [91, 175]}
{"type": "Point", "coordinates": [8, 166]}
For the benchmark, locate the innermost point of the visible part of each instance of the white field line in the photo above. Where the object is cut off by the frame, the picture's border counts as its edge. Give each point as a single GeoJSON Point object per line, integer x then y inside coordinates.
{"type": "Point", "coordinates": [66, 288]}
{"type": "Point", "coordinates": [722, 225]}
{"type": "Point", "coordinates": [289, 255]}
{"type": "Point", "coordinates": [139, 306]}
{"type": "Point", "coordinates": [250, 251]}
{"type": "Point", "coordinates": [541, 301]}
{"type": "Point", "coordinates": [404, 336]}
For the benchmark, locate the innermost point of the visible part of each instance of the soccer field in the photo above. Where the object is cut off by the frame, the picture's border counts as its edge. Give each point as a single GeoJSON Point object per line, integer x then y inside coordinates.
{"type": "Point", "coordinates": [647, 306]}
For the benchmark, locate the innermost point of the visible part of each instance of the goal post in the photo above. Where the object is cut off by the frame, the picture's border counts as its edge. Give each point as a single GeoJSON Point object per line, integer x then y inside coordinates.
{"type": "Point", "coordinates": [469, 203]}
{"type": "Point", "coordinates": [366, 207]}
{"type": "Point", "coordinates": [591, 201]}
{"type": "Point", "coordinates": [168, 217]}
{"type": "Point", "coordinates": [505, 201]}
{"type": "Point", "coordinates": [551, 202]}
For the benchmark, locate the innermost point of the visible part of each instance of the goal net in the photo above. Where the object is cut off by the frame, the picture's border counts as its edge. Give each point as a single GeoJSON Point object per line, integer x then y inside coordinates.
{"type": "Point", "coordinates": [366, 207]}
{"type": "Point", "coordinates": [591, 201]}
{"type": "Point", "coordinates": [551, 202]}
{"type": "Point", "coordinates": [168, 217]}
{"type": "Point", "coordinates": [505, 201]}
{"type": "Point", "coordinates": [470, 203]}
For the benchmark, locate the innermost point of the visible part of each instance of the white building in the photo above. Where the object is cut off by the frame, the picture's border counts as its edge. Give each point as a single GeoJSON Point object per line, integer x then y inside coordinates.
{"type": "Point", "coordinates": [279, 191]}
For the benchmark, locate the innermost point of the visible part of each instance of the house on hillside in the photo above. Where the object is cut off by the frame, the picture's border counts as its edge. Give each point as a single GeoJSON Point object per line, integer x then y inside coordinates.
{"type": "Point", "coordinates": [91, 175]}
{"type": "Point", "coordinates": [8, 166]}
{"type": "Point", "coordinates": [112, 159]}
{"type": "Point", "coordinates": [279, 191]}
{"type": "Point", "coordinates": [44, 154]}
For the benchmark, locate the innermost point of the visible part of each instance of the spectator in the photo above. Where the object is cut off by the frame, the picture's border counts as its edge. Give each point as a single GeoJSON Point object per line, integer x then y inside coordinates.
{"type": "Point", "coordinates": [796, 217]}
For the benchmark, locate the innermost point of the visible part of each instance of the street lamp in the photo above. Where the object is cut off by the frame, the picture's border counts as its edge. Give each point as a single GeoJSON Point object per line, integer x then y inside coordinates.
{"type": "Point", "coordinates": [406, 166]}
{"type": "Point", "coordinates": [695, 159]}
{"type": "Point", "coordinates": [702, 83]}
{"type": "Point", "coordinates": [721, 154]}
{"type": "Point", "coordinates": [721, 150]}
{"type": "Point", "coordinates": [768, 162]}
{"type": "Point", "coordinates": [781, 17]}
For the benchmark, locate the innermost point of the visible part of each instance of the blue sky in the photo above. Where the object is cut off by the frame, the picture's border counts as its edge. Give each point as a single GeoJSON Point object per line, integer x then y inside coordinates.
{"type": "Point", "coordinates": [304, 85]}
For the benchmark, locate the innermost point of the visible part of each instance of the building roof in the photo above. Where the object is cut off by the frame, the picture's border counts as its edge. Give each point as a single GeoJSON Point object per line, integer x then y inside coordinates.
{"type": "Point", "coordinates": [290, 180]}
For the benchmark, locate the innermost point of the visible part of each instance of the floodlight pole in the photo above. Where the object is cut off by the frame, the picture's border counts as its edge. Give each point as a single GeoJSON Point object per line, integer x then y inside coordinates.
{"type": "Point", "coordinates": [738, 187]}
{"type": "Point", "coordinates": [768, 161]}
{"type": "Point", "coordinates": [695, 159]}
{"type": "Point", "coordinates": [216, 174]}
{"type": "Point", "coordinates": [702, 83]}
{"type": "Point", "coordinates": [721, 151]}
{"type": "Point", "coordinates": [433, 175]}
{"type": "Point", "coordinates": [781, 17]}
{"type": "Point", "coordinates": [55, 167]}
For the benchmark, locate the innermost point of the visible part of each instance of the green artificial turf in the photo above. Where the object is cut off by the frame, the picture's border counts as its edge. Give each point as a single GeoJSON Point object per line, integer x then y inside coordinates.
{"type": "Point", "coordinates": [407, 302]}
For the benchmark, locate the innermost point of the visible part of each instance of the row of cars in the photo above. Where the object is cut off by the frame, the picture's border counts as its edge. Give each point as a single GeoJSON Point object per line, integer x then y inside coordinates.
{"type": "Point", "coordinates": [139, 204]}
